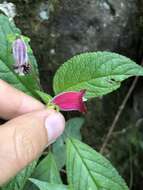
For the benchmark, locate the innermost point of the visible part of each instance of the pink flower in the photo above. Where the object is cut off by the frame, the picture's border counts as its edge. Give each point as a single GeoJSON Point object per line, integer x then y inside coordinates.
{"type": "Point", "coordinates": [68, 101]}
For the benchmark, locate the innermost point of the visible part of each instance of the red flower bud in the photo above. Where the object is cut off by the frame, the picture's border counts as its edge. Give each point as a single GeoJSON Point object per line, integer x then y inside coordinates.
{"type": "Point", "coordinates": [68, 101]}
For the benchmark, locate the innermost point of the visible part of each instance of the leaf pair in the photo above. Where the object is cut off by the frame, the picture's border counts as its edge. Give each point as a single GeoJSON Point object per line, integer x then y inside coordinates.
{"type": "Point", "coordinates": [86, 170]}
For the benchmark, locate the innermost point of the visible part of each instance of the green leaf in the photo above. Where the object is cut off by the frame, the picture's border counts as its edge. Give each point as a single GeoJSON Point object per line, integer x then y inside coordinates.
{"type": "Point", "coordinates": [47, 170]}
{"type": "Point", "coordinates": [99, 73]}
{"type": "Point", "coordinates": [72, 129]}
{"type": "Point", "coordinates": [44, 97]}
{"type": "Point", "coordinates": [88, 170]}
{"type": "Point", "coordinates": [48, 186]}
{"type": "Point", "coordinates": [28, 83]}
{"type": "Point", "coordinates": [20, 180]}
{"type": "Point", "coordinates": [59, 151]}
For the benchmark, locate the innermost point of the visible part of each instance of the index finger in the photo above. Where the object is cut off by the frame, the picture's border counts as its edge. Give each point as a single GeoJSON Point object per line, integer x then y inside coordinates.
{"type": "Point", "coordinates": [14, 102]}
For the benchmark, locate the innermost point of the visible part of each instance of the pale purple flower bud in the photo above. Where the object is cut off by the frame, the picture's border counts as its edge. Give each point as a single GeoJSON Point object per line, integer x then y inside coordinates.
{"type": "Point", "coordinates": [20, 56]}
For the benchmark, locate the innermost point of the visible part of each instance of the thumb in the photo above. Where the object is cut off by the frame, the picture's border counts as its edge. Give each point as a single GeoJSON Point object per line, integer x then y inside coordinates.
{"type": "Point", "coordinates": [24, 138]}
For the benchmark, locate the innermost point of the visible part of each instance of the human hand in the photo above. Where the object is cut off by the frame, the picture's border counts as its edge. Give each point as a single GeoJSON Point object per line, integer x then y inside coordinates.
{"type": "Point", "coordinates": [29, 130]}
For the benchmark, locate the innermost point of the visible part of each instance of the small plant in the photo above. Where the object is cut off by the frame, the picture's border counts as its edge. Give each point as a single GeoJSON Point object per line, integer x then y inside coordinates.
{"type": "Point", "coordinates": [85, 76]}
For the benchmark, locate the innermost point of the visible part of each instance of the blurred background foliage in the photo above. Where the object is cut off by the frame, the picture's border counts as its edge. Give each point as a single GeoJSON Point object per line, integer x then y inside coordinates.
{"type": "Point", "coordinates": [60, 29]}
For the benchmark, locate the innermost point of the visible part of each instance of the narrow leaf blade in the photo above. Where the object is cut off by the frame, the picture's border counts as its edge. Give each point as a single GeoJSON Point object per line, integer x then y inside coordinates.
{"type": "Point", "coordinates": [72, 129]}
{"type": "Point", "coordinates": [20, 180]}
{"type": "Point", "coordinates": [43, 96]}
{"type": "Point", "coordinates": [47, 170]}
{"type": "Point", "coordinates": [48, 186]}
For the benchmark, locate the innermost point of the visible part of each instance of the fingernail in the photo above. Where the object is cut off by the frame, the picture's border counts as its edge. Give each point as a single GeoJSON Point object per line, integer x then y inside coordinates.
{"type": "Point", "coordinates": [54, 125]}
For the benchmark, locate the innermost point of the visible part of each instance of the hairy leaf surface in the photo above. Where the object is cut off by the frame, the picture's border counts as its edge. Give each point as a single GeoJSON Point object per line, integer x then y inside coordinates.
{"type": "Point", "coordinates": [88, 170]}
{"type": "Point", "coordinates": [99, 73]}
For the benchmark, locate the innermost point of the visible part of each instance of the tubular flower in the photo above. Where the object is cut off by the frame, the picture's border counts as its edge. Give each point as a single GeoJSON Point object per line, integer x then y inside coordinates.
{"type": "Point", "coordinates": [68, 101]}
{"type": "Point", "coordinates": [20, 55]}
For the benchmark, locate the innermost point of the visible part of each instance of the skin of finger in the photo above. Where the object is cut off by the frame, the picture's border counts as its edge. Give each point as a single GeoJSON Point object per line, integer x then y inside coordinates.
{"type": "Point", "coordinates": [20, 143]}
{"type": "Point", "coordinates": [14, 102]}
